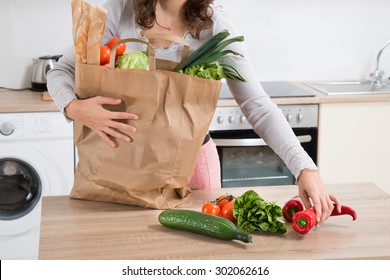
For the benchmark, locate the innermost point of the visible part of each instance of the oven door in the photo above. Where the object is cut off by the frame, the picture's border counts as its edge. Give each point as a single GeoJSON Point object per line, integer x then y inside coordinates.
{"type": "Point", "coordinates": [246, 160]}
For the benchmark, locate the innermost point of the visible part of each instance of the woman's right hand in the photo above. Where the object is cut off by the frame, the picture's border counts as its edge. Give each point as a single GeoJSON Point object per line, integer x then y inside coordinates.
{"type": "Point", "coordinates": [91, 113]}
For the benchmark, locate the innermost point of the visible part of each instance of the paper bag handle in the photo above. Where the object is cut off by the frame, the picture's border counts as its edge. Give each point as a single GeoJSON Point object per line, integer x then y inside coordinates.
{"type": "Point", "coordinates": [172, 38]}
{"type": "Point", "coordinates": [150, 50]}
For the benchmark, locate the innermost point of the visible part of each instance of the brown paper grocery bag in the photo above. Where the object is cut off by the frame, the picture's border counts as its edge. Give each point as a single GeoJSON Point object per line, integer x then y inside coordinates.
{"type": "Point", "coordinates": [154, 170]}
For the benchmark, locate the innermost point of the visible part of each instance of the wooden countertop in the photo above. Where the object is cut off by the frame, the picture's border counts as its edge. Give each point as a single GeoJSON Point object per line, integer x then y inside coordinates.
{"type": "Point", "coordinates": [14, 101]}
{"type": "Point", "coordinates": [76, 229]}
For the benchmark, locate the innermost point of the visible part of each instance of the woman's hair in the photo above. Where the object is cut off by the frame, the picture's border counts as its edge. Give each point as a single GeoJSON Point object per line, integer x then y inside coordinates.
{"type": "Point", "coordinates": [197, 14]}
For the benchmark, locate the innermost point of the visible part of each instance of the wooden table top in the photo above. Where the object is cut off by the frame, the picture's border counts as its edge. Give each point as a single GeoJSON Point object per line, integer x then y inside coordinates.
{"type": "Point", "coordinates": [76, 229]}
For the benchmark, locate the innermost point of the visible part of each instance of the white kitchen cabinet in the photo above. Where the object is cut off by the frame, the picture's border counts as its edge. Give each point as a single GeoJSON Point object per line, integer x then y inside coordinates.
{"type": "Point", "coordinates": [354, 143]}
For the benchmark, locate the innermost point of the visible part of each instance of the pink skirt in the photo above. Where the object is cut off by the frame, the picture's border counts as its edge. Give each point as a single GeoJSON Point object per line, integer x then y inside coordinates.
{"type": "Point", "coordinates": [207, 172]}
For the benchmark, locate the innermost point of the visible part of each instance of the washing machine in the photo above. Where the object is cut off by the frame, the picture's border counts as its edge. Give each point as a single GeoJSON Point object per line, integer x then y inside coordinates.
{"type": "Point", "coordinates": [36, 160]}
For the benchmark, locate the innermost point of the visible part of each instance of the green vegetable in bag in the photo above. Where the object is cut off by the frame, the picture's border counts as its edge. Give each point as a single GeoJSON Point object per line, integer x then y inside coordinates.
{"type": "Point", "coordinates": [133, 60]}
{"type": "Point", "coordinates": [207, 71]}
{"type": "Point", "coordinates": [209, 55]}
{"type": "Point", "coordinates": [254, 213]}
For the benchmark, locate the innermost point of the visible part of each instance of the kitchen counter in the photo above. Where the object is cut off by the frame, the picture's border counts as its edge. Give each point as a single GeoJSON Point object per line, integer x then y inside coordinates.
{"type": "Point", "coordinates": [76, 229]}
{"type": "Point", "coordinates": [24, 101]}
{"type": "Point", "coordinates": [318, 98]}
{"type": "Point", "coordinates": [30, 101]}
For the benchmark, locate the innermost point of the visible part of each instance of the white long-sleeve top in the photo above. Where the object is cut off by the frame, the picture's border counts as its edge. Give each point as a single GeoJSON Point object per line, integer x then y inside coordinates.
{"type": "Point", "coordinates": [267, 121]}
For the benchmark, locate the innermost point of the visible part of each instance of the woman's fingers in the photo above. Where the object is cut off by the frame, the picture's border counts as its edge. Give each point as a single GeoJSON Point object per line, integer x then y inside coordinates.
{"type": "Point", "coordinates": [108, 133]}
{"type": "Point", "coordinates": [108, 124]}
{"type": "Point", "coordinates": [116, 121]}
{"type": "Point", "coordinates": [305, 199]}
{"type": "Point", "coordinates": [106, 139]}
{"type": "Point", "coordinates": [121, 126]}
{"type": "Point", "coordinates": [101, 100]}
{"type": "Point", "coordinates": [336, 202]}
{"type": "Point", "coordinates": [314, 194]}
{"type": "Point", "coordinates": [123, 116]}
{"type": "Point", "coordinates": [116, 134]}
{"type": "Point", "coordinates": [114, 127]}
{"type": "Point", "coordinates": [323, 207]}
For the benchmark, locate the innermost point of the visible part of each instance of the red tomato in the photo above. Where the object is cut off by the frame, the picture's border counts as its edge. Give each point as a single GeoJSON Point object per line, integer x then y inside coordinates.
{"type": "Point", "coordinates": [211, 208]}
{"type": "Point", "coordinates": [223, 199]}
{"type": "Point", "coordinates": [227, 212]}
{"type": "Point", "coordinates": [105, 53]}
{"type": "Point", "coordinates": [120, 49]}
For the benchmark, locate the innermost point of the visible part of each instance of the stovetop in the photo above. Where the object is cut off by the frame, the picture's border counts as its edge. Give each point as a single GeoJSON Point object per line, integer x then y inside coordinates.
{"type": "Point", "coordinates": [275, 89]}
{"type": "Point", "coordinates": [298, 115]}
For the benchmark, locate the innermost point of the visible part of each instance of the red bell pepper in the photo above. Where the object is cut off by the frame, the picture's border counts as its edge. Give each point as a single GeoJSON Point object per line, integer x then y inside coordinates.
{"type": "Point", "coordinates": [295, 205]}
{"type": "Point", "coordinates": [291, 207]}
{"type": "Point", "coordinates": [304, 221]}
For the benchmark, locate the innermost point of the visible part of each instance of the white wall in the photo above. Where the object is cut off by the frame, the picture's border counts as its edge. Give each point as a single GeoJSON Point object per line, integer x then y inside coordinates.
{"type": "Point", "coordinates": [313, 39]}
{"type": "Point", "coordinates": [287, 40]}
{"type": "Point", "coordinates": [30, 29]}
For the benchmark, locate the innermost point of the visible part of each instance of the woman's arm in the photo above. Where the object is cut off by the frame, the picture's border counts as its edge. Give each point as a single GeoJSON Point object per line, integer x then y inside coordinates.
{"type": "Point", "coordinates": [270, 124]}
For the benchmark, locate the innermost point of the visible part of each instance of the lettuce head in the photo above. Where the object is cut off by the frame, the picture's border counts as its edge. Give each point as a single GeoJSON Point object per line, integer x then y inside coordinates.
{"type": "Point", "coordinates": [133, 60]}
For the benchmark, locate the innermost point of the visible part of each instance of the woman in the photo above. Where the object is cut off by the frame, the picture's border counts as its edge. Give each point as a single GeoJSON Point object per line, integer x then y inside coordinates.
{"type": "Point", "coordinates": [196, 21]}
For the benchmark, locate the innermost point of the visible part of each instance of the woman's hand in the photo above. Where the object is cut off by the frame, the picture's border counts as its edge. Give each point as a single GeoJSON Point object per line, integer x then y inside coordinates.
{"type": "Point", "coordinates": [312, 188]}
{"type": "Point", "coordinates": [91, 113]}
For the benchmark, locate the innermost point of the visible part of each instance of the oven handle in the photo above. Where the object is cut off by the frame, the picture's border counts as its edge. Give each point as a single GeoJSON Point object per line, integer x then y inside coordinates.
{"type": "Point", "coordinates": [252, 142]}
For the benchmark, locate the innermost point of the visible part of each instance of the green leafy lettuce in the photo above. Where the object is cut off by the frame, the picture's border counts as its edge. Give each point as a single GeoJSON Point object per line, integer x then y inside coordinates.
{"type": "Point", "coordinates": [254, 213]}
{"type": "Point", "coordinates": [211, 71]}
{"type": "Point", "coordinates": [133, 60]}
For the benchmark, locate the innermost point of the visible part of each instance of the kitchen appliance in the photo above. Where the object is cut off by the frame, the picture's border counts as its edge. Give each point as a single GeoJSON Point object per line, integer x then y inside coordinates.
{"type": "Point", "coordinates": [41, 66]}
{"type": "Point", "coordinates": [275, 89]}
{"type": "Point", "coordinates": [36, 160]}
{"type": "Point", "coordinates": [246, 160]}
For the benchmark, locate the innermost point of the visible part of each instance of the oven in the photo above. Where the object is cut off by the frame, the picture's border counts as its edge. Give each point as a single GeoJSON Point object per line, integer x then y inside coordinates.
{"type": "Point", "coordinates": [246, 160]}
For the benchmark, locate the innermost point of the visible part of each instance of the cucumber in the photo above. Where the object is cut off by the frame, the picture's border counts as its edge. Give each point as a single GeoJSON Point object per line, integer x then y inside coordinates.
{"type": "Point", "coordinates": [208, 46]}
{"type": "Point", "coordinates": [197, 222]}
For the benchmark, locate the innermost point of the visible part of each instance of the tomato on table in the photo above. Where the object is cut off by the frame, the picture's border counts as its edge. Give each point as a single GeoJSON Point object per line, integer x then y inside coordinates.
{"type": "Point", "coordinates": [222, 200]}
{"type": "Point", "coordinates": [211, 208]}
{"type": "Point", "coordinates": [227, 211]}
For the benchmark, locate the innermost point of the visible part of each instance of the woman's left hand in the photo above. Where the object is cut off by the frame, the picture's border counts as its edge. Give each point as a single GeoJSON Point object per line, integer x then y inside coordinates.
{"type": "Point", "coordinates": [313, 193]}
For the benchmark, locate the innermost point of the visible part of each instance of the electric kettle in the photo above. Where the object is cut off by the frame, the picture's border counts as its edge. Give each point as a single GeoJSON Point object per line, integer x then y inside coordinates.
{"type": "Point", "coordinates": [41, 66]}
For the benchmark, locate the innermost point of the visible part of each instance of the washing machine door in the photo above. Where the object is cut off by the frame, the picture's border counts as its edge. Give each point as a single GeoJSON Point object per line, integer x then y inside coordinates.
{"type": "Point", "coordinates": [20, 188]}
{"type": "Point", "coordinates": [23, 181]}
